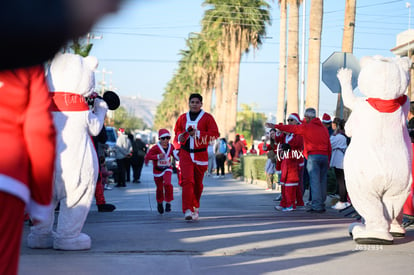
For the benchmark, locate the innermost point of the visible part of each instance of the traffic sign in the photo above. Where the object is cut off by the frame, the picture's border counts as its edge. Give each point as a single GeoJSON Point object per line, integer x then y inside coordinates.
{"type": "Point", "coordinates": [331, 66]}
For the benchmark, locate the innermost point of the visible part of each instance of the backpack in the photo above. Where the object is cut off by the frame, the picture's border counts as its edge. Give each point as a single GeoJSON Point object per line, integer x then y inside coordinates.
{"type": "Point", "coordinates": [223, 147]}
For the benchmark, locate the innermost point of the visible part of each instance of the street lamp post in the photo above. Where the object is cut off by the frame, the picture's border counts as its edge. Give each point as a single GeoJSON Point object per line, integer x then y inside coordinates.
{"type": "Point", "coordinates": [408, 6]}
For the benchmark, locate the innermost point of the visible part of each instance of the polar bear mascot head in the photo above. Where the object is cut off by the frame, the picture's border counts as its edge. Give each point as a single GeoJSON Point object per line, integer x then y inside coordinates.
{"type": "Point", "coordinates": [378, 160]}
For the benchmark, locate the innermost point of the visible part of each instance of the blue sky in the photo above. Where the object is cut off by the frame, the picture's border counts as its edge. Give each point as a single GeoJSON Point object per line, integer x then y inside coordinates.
{"type": "Point", "coordinates": [140, 46]}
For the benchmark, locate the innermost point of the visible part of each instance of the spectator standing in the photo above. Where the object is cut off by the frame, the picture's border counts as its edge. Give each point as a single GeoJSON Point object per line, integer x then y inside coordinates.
{"type": "Point", "coordinates": [230, 155]}
{"type": "Point", "coordinates": [252, 150]}
{"type": "Point", "coordinates": [327, 122]}
{"type": "Point", "coordinates": [128, 160]}
{"type": "Point", "coordinates": [239, 147]}
{"type": "Point", "coordinates": [27, 160]}
{"type": "Point", "coordinates": [211, 158]}
{"type": "Point", "coordinates": [291, 167]}
{"type": "Point", "coordinates": [260, 146]}
{"type": "Point", "coordinates": [100, 201]}
{"type": "Point", "coordinates": [123, 150]}
{"type": "Point", "coordinates": [139, 149]}
{"type": "Point", "coordinates": [317, 150]}
{"type": "Point", "coordinates": [339, 145]}
{"type": "Point", "coordinates": [270, 167]}
{"type": "Point", "coordinates": [221, 150]}
{"type": "Point", "coordinates": [194, 130]}
{"type": "Point", "coordinates": [160, 154]}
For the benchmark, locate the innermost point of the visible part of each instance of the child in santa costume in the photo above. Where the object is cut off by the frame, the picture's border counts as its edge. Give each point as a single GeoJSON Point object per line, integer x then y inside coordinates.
{"type": "Point", "coordinates": [194, 130]}
{"type": "Point", "coordinates": [291, 167]}
{"type": "Point", "coordinates": [28, 149]}
{"type": "Point", "coordinates": [161, 154]}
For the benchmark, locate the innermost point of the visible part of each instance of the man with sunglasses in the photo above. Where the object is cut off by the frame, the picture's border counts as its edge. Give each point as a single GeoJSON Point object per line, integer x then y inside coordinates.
{"type": "Point", "coordinates": [194, 130]}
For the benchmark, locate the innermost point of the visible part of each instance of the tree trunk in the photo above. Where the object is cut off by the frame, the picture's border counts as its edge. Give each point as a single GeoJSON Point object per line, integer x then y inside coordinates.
{"type": "Point", "coordinates": [280, 116]}
{"type": "Point", "coordinates": [235, 53]}
{"type": "Point", "coordinates": [348, 47]}
{"type": "Point", "coordinates": [314, 54]}
{"type": "Point", "coordinates": [292, 59]}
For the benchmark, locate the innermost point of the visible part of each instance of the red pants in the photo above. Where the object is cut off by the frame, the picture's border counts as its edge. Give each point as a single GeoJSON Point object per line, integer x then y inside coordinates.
{"type": "Point", "coordinates": [408, 208]}
{"type": "Point", "coordinates": [164, 188]}
{"type": "Point", "coordinates": [99, 191]}
{"type": "Point", "coordinates": [191, 181]}
{"type": "Point", "coordinates": [289, 196]}
{"type": "Point", "coordinates": [11, 227]}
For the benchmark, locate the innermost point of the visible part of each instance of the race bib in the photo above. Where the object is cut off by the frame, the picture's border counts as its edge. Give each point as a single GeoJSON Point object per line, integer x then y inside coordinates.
{"type": "Point", "coordinates": [163, 163]}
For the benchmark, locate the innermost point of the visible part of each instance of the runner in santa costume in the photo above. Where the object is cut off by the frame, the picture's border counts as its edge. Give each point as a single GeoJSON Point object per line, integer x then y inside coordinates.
{"type": "Point", "coordinates": [291, 166]}
{"type": "Point", "coordinates": [27, 157]}
{"type": "Point", "coordinates": [161, 154]}
{"type": "Point", "coordinates": [193, 132]}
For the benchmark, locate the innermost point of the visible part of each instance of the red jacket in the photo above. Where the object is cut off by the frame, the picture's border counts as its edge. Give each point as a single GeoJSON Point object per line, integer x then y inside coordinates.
{"type": "Point", "coordinates": [315, 137]}
{"type": "Point", "coordinates": [27, 139]}
{"type": "Point", "coordinates": [206, 131]}
{"type": "Point", "coordinates": [291, 159]}
{"type": "Point", "coordinates": [160, 166]}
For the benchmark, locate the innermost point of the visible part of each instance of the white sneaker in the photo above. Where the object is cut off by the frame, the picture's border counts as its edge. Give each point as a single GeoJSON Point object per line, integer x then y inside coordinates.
{"type": "Point", "coordinates": [278, 207]}
{"type": "Point", "coordinates": [107, 187]}
{"type": "Point", "coordinates": [188, 215]}
{"type": "Point", "coordinates": [195, 214]}
{"type": "Point", "coordinates": [341, 205]}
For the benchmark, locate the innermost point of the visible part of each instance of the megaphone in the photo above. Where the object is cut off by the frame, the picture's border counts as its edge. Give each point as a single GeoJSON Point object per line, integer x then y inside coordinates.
{"type": "Point", "coordinates": [111, 99]}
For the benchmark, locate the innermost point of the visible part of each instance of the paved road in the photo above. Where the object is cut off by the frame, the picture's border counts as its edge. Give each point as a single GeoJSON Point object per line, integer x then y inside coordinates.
{"type": "Point", "coordinates": [239, 232]}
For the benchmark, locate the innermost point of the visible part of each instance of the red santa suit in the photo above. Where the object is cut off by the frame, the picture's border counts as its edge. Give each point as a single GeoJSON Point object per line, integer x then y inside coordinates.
{"type": "Point", "coordinates": [193, 155]}
{"type": "Point", "coordinates": [408, 208]}
{"type": "Point", "coordinates": [162, 171]}
{"type": "Point", "coordinates": [27, 157]}
{"type": "Point", "coordinates": [291, 161]}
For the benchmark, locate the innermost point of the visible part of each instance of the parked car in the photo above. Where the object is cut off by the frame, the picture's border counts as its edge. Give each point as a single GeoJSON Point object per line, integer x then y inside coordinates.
{"type": "Point", "coordinates": [110, 159]}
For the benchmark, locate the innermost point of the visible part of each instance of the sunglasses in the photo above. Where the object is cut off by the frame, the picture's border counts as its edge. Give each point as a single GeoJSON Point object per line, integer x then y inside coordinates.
{"type": "Point", "coordinates": [290, 119]}
{"type": "Point", "coordinates": [164, 138]}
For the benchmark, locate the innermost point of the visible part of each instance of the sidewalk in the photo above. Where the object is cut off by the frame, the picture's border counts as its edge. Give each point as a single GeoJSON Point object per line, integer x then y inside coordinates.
{"type": "Point", "coordinates": [239, 232]}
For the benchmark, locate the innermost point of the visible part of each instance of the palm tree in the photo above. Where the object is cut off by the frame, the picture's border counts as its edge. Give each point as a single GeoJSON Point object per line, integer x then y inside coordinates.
{"type": "Point", "coordinates": [293, 57]}
{"type": "Point", "coordinates": [282, 63]}
{"type": "Point", "coordinates": [348, 47]}
{"type": "Point", "coordinates": [242, 25]}
{"type": "Point", "coordinates": [314, 54]}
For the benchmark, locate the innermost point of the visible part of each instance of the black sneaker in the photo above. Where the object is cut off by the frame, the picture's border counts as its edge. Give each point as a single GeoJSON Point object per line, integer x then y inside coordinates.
{"type": "Point", "coordinates": [160, 208]}
{"type": "Point", "coordinates": [107, 207]}
{"type": "Point", "coordinates": [168, 207]}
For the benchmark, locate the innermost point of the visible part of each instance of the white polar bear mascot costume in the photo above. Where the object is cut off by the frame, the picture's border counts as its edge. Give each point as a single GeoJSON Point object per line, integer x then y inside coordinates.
{"type": "Point", "coordinates": [70, 78]}
{"type": "Point", "coordinates": [378, 160]}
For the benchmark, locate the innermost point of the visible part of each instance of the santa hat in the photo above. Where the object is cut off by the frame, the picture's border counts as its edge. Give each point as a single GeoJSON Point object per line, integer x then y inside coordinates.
{"type": "Point", "coordinates": [296, 117]}
{"type": "Point", "coordinates": [163, 133]}
{"type": "Point", "coordinates": [121, 131]}
{"type": "Point", "coordinates": [326, 118]}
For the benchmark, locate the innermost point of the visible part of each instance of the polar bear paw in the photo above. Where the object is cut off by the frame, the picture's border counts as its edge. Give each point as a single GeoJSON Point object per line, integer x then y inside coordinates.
{"type": "Point", "coordinates": [344, 75]}
{"type": "Point", "coordinates": [40, 241]}
{"type": "Point", "coordinates": [81, 242]}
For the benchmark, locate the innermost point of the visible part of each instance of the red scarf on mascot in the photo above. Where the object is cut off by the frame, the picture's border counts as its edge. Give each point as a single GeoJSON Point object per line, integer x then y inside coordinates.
{"type": "Point", "coordinates": [387, 106]}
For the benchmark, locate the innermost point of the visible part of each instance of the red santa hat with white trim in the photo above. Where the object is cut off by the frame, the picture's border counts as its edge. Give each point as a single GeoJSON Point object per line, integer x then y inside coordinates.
{"type": "Point", "coordinates": [326, 118]}
{"type": "Point", "coordinates": [296, 117]}
{"type": "Point", "coordinates": [163, 133]}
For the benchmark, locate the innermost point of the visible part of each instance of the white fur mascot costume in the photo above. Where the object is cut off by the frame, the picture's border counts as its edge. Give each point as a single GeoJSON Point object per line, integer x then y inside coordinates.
{"type": "Point", "coordinates": [377, 162]}
{"type": "Point", "coordinates": [71, 78]}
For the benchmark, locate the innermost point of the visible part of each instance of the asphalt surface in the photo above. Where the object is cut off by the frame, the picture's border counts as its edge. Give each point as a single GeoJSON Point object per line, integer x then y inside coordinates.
{"type": "Point", "coordinates": [239, 232]}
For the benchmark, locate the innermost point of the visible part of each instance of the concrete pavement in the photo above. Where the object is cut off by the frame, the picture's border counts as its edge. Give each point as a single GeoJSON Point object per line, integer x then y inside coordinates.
{"type": "Point", "coordinates": [238, 232]}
